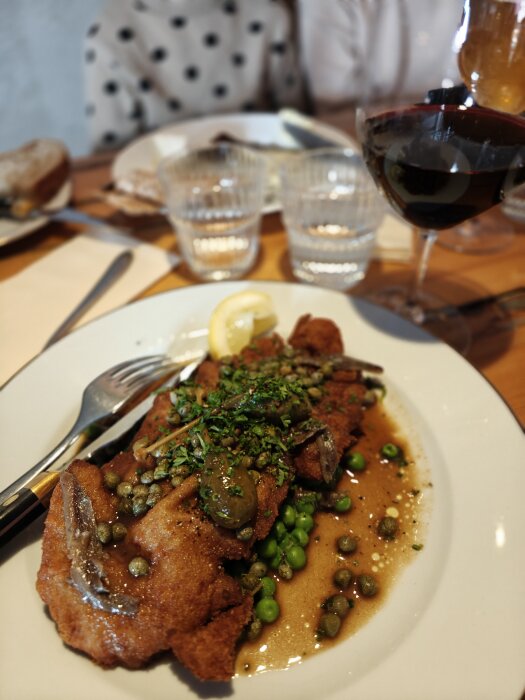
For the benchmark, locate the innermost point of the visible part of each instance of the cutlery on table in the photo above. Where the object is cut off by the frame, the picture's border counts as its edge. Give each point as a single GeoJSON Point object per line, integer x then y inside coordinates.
{"type": "Point", "coordinates": [115, 270]}
{"type": "Point", "coordinates": [510, 299]}
{"type": "Point", "coordinates": [105, 396]}
{"type": "Point", "coordinates": [67, 214]}
{"type": "Point", "coordinates": [305, 132]}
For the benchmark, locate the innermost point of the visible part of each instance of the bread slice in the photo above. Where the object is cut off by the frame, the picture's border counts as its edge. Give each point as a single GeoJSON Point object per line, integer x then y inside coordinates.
{"type": "Point", "coordinates": [31, 175]}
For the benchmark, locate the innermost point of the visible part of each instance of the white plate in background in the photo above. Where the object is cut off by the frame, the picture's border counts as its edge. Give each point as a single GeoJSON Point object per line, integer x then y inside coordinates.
{"type": "Point", "coordinates": [453, 626]}
{"type": "Point", "coordinates": [13, 230]}
{"type": "Point", "coordinates": [265, 129]}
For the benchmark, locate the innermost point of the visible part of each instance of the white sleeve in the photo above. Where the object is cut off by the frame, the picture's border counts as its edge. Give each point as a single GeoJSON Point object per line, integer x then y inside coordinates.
{"type": "Point", "coordinates": [332, 36]}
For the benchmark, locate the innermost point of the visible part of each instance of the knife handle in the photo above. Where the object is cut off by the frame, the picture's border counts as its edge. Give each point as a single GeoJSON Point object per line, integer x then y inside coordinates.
{"type": "Point", "coordinates": [24, 506]}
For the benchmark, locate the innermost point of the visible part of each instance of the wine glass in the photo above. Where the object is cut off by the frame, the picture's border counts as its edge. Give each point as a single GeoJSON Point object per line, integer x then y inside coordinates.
{"type": "Point", "coordinates": [491, 61]}
{"type": "Point", "coordinates": [439, 161]}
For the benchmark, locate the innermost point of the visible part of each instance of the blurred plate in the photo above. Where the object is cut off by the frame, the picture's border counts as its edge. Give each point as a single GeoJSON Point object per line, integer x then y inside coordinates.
{"type": "Point", "coordinates": [452, 627]}
{"type": "Point", "coordinates": [263, 129]}
{"type": "Point", "coordinates": [12, 230]}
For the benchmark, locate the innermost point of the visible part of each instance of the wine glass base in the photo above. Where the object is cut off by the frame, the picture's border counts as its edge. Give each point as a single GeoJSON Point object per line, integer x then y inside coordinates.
{"type": "Point", "coordinates": [476, 237]}
{"type": "Point", "coordinates": [430, 312]}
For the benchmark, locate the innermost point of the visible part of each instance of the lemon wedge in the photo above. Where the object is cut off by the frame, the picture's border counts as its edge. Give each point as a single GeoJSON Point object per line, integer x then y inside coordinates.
{"type": "Point", "coordinates": [237, 319]}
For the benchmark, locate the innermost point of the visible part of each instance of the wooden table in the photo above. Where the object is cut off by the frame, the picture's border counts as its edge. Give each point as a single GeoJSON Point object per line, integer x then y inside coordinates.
{"type": "Point", "coordinates": [498, 347]}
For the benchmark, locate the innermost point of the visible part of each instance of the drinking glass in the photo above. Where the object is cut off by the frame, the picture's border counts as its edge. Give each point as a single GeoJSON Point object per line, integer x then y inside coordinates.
{"type": "Point", "coordinates": [439, 164]}
{"type": "Point", "coordinates": [331, 210]}
{"type": "Point", "coordinates": [214, 198]}
{"type": "Point", "coordinates": [491, 61]}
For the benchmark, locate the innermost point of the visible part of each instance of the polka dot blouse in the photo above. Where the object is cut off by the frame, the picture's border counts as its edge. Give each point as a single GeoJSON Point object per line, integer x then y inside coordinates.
{"type": "Point", "coordinates": [152, 62]}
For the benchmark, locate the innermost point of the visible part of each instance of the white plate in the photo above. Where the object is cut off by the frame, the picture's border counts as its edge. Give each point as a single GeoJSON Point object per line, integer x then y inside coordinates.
{"type": "Point", "coordinates": [11, 230]}
{"type": "Point", "coordinates": [262, 128]}
{"type": "Point", "coordinates": [453, 627]}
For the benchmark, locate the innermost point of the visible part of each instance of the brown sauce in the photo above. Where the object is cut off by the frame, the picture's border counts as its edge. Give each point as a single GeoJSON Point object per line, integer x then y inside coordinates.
{"type": "Point", "coordinates": [382, 489]}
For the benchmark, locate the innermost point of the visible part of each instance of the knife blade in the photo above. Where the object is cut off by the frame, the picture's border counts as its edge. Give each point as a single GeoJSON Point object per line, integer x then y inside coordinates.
{"type": "Point", "coordinates": [304, 132]}
{"type": "Point", "coordinates": [33, 500]}
{"type": "Point", "coordinates": [510, 298]}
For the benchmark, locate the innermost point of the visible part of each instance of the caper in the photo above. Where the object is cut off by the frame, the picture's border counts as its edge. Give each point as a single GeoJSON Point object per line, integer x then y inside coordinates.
{"type": "Point", "coordinates": [138, 505]}
{"type": "Point", "coordinates": [111, 480]}
{"type": "Point", "coordinates": [153, 498]}
{"type": "Point", "coordinates": [138, 566]}
{"type": "Point", "coordinates": [184, 410]}
{"type": "Point", "coordinates": [160, 451]}
{"type": "Point", "coordinates": [262, 460]}
{"type": "Point", "coordinates": [160, 472]}
{"type": "Point", "coordinates": [315, 393]}
{"type": "Point", "coordinates": [285, 369]}
{"type": "Point", "coordinates": [245, 533]}
{"type": "Point", "coordinates": [258, 568]}
{"type": "Point", "coordinates": [327, 370]}
{"type": "Point", "coordinates": [387, 527]}
{"type": "Point", "coordinates": [250, 581]}
{"type": "Point", "coordinates": [140, 490]}
{"type": "Point", "coordinates": [180, 470]}
{"type": "Point", "coordinates": [254, 629]}
{"type": "Point", "coordinates": [147, 477]}
{"type": "Point", "coordinates": [285, 571]}
{"type": "Point", "coordinates": [329, 625]}
{"type": "Point", "coordinates": [246, 461]}
{"type": "Point", "coordinates": [337, 604]}
{"type": "Point", "coordinates": [104, 532]}
{"type": "Point", "coordinates": [367, 585]}
{"type": "Point", "coordinates": [174, 418]}
{"type": "Point", "coordinates": [177, 481]}
{"type": "Point", "coordinates": [124, 489]}
{"type": "Point", "coordinates": [343, 578]}
{"type": "Point", "coordinates": [317, 377]}
{"type": "Point", "coordinates": [118, 531]}
{"type": "Point", "coordinates": [346, 544]}
{"type": "Point", "coordinates": [228, 441]}
{"type": "Point", "coordinates": [255, 475]}
{"type": "Point", "coordinates": [154, 490]}
{"type": "Point", "coordinates": [125, 507]}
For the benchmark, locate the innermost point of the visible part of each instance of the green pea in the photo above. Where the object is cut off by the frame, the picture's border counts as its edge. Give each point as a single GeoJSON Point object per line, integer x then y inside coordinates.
{"type": "Point", "coordinates": [267, 610]}
{"type": "Point", "coordinates": [390, 451]}
{"type": "Point", "coordinates": [296, 557]}
{"type": "Point", "coordinates": [268, 548]}
{"type": "Point", "coordinates": [300, 536]}
{"type": "Point", "coordinates": [343, 504]}
{"type": "Point", "coordinates": [288, 516]}
{"type": "Point", "coordinates": [268, 587]}
{"type": "Point", "coordinates": [279, 530]}
{"type": "Point", "coordinates": [356, 462]}
{"type": "Point", "coordinates": [305, 506]}
{"type": "Point", "coordinates": [304, 521]}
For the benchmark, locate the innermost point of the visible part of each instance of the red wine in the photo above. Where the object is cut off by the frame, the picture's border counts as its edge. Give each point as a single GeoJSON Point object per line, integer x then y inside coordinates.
{"type": "Point", "coordinates": [442, 164]}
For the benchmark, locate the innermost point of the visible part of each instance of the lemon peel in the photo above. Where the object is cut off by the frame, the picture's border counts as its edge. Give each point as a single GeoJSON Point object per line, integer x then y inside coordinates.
{"type": "Point", "coordinates": [237, 319]}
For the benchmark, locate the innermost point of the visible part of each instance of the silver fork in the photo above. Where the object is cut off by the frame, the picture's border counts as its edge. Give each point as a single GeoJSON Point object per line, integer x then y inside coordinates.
{"type": "Point", "coordinates": [102, 398]}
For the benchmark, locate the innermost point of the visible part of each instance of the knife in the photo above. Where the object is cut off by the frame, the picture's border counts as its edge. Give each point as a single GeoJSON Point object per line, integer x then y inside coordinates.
{"type": "Point", "coordinates": [511, 298]}
{"type": "Point", "coordinates": [305, 132]}
{"type": "Point", "coordinates": [34, 499]}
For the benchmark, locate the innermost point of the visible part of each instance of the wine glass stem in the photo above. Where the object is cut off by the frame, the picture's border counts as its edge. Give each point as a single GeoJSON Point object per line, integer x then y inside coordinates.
{"type": "Point", "coordinates": [428, 238]}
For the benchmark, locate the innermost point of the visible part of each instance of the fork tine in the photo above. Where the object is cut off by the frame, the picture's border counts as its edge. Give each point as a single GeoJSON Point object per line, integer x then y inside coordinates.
{"type": "Point", "coordinates": [125, 369]}
{"type": "Point", "coordinates": [146, 377]}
